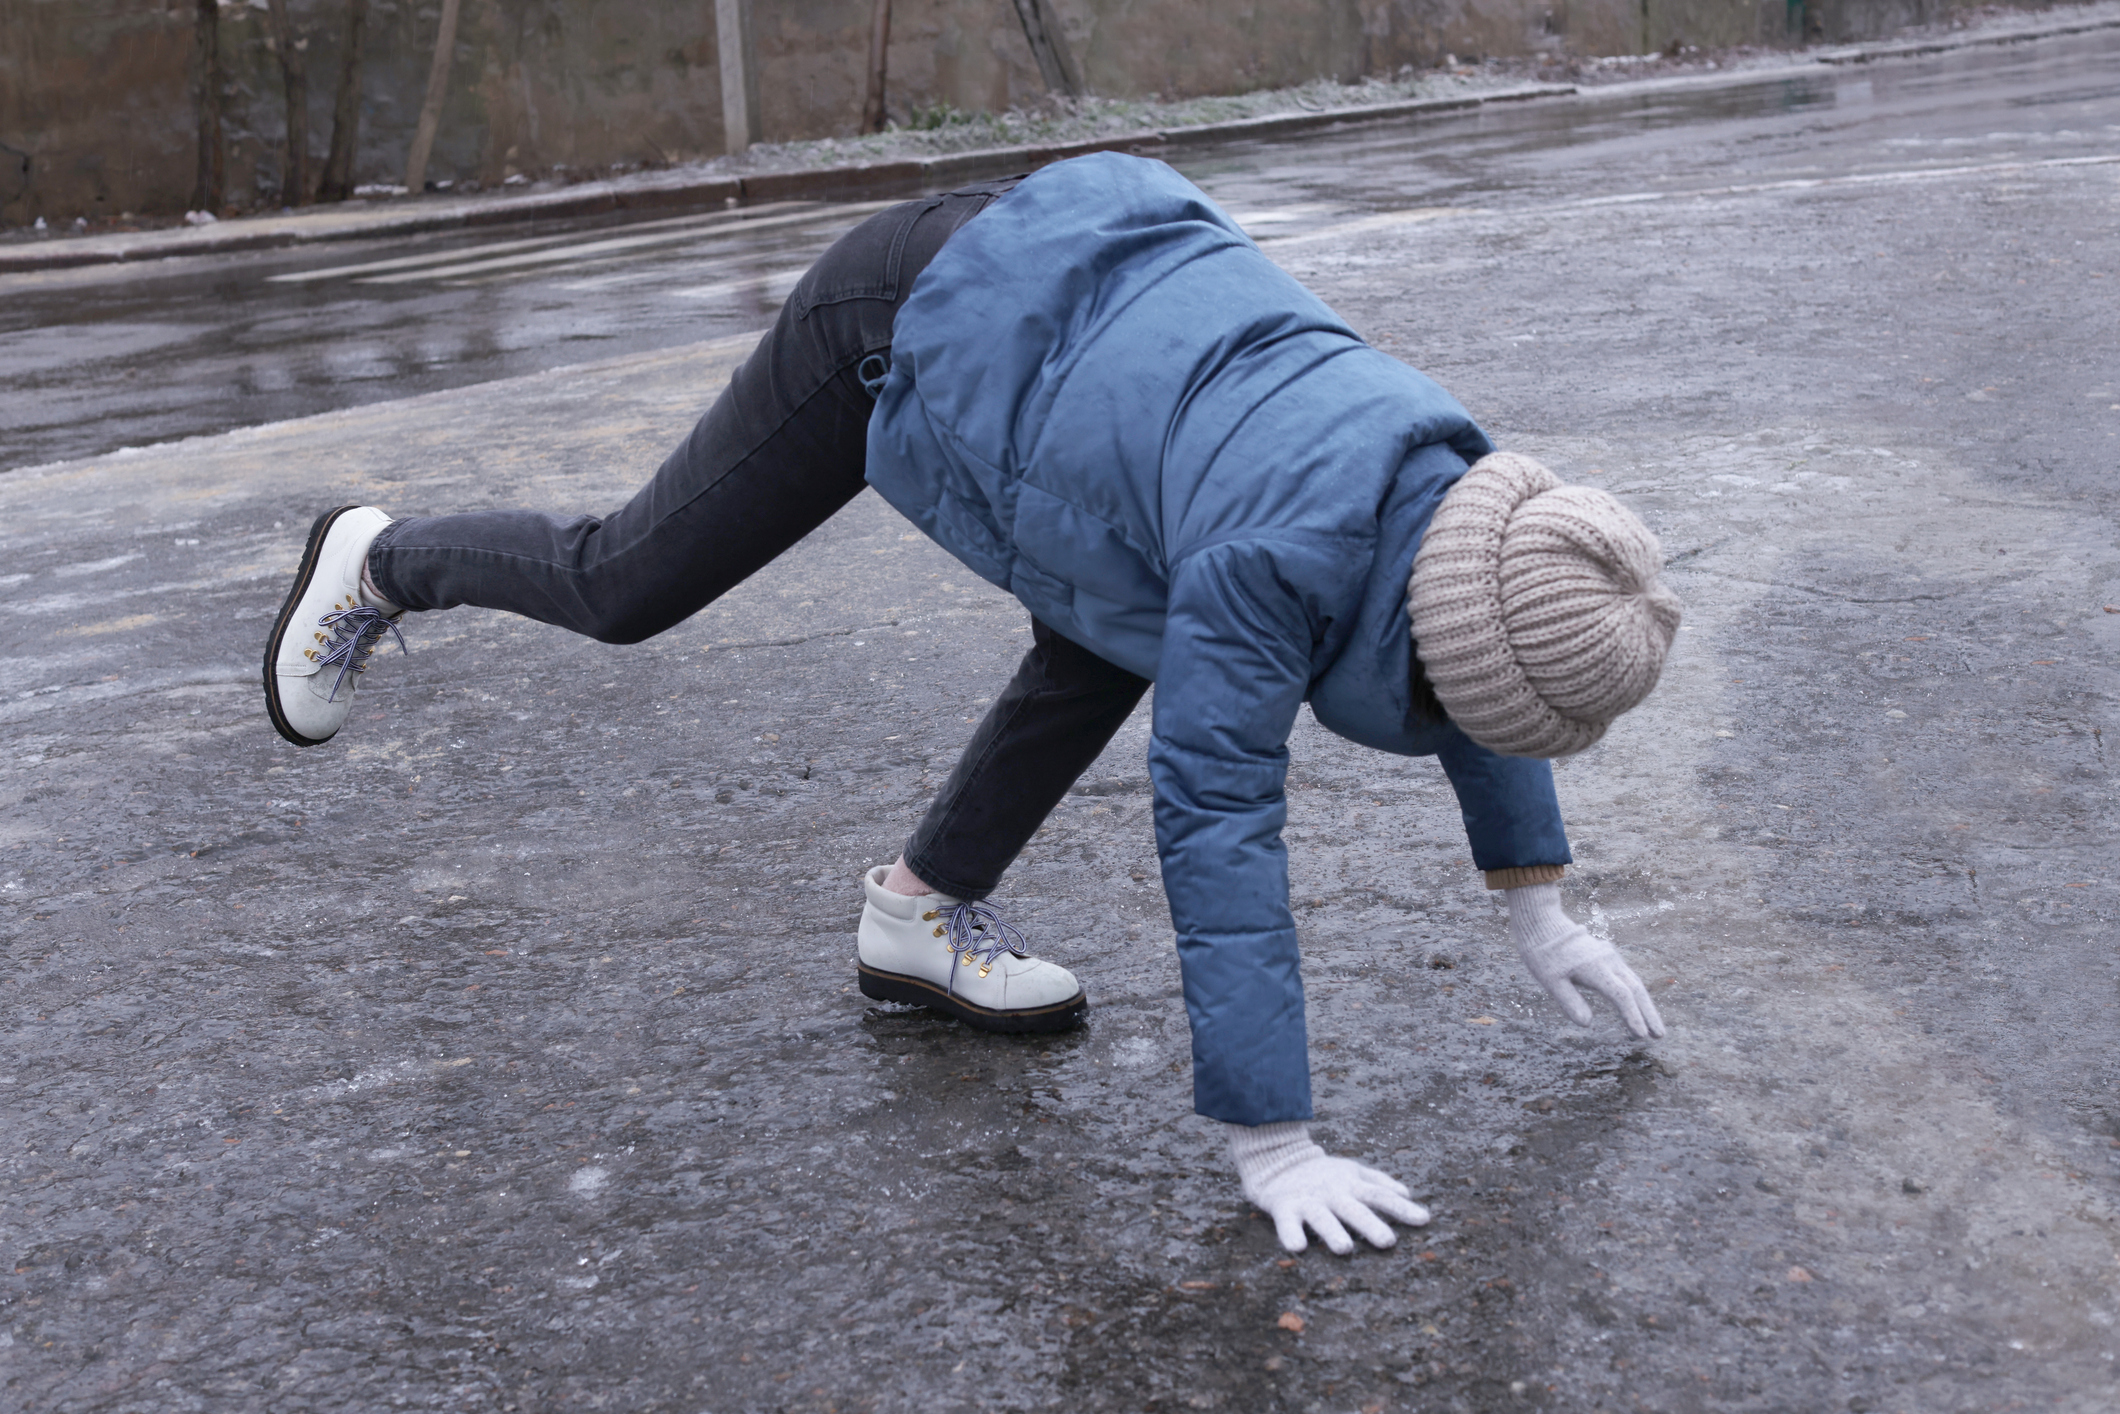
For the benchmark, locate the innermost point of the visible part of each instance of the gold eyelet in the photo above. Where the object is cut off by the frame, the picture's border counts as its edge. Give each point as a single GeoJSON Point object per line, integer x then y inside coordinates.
{"type": "Point", "coordinates": [930, 916]}
{"type": "Point", "coordinates": [939, 930]}
{"type": "Point", "coordinates": [986, 969]}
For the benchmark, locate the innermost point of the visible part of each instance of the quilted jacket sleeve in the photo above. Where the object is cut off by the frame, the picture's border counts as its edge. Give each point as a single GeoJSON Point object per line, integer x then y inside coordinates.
{"type": "Point", "coordinates": [1512, 816]}
{"type": "Point", "coordinates": [1235, 666]}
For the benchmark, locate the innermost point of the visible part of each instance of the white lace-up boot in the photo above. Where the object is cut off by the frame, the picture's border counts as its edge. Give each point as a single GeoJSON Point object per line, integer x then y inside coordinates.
{"type": "Point", "coordinates": [936, 951]}
{"type": "Point", "coordinates": [320, 643]}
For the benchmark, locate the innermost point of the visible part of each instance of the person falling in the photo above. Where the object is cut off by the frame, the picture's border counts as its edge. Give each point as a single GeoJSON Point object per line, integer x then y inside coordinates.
{"type": "Point", "coordinates": [1094, 390]}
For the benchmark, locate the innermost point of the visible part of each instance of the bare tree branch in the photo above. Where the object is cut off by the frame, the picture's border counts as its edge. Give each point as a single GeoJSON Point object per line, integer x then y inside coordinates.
{"type": "Point", "coordinates": [431, 110]}
{"type": "Point", "coordinates": [873, 117]}
{"type": "Point", "coordinates": [337, 184]}
{"type": "Point", "coordinates": [208, 188]}
{"type": "Point", "coordinates": [1056, 65]}
{"type": "Point", "coordinates": [294, 181]}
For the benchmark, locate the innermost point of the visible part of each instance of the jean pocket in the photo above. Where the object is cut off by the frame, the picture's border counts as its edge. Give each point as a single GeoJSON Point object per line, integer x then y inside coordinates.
{"type": "Point", "coordinates": [864, 263]}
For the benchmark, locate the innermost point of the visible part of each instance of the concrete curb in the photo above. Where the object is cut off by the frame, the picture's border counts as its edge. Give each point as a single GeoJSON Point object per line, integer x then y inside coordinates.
{"type": "Point", "coordinates": [1972, 41]}
{"type": "Point", "coordinates": [910, 176]}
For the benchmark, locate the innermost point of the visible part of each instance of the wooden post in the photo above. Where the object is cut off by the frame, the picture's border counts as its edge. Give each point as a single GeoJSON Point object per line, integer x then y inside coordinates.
{"type": "Point", "coordinates": [1056, 65]}
{"type": "Point", "coordinates": [206, 191]}
{"type": "Point", "coordinates": [294, 75]}
{"type": "Point", "coordinates": [431, 110]}
{"type": "Point", "coordinates": [873, 118]}
{"type": "Point", "coordinates": [337, 184]}
{"type": "Point", "coordinates": [738, 48]}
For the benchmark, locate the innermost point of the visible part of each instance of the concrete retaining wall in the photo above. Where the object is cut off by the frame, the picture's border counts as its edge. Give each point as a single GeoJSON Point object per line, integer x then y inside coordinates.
{"type": "Point", "coordinates": [96, 96]}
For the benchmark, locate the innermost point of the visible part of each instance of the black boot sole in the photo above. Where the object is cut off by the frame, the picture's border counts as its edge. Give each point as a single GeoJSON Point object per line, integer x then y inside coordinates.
{"type": "Point", "coordinates": [302, 576]}
{"type": "Point", "coordinates": [894, 987]}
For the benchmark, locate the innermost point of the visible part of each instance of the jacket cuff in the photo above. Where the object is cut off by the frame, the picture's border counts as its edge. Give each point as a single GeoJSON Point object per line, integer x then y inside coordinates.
{"type": "Point", "coordinates": [1526, 874]}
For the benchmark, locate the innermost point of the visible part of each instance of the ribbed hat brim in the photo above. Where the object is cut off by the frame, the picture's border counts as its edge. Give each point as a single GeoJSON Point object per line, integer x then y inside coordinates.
{"type": "Point", "coordinates": [1536, 610]}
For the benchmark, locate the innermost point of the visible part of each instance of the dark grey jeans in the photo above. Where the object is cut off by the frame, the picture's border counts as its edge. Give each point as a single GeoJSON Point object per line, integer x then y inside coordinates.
{"type": "Point", "coordinates": [783, 447]}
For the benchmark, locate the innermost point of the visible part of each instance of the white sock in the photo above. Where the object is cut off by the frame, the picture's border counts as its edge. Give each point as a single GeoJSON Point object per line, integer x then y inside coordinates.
{"type": "Point", "coordinates": [372, 596]}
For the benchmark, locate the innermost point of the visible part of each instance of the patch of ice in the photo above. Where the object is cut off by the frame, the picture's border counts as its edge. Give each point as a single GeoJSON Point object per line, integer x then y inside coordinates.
{"type": "Point", "coordinates": [1136, 1053]}
{"type": "Point", "coordinates": [97, 566]}
{"type": "Point", "coordinates": [365, 1080]}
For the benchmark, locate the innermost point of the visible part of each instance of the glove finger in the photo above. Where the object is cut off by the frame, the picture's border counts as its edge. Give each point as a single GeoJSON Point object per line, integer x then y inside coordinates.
{"type": "Point", "coordinates": [1327, 1226]}
{"type": "Point", "coordinates": [1365, 1174]}
{"type": "Point", "coordinates": [1571, 1001]}
{"type": "Point", "coordinates": [1352, 1211]}
{"type": "Point", "coordinates": [1649, 1012]}
{"type": "Point", "coordinates": [1618, 984]}
{"type": "Point", "coordinates": [1288, 1226]}
{"type": "Point", "coordinates": [1391, 1205]}
{"type": "Point", "coordinates": [1607, 982]}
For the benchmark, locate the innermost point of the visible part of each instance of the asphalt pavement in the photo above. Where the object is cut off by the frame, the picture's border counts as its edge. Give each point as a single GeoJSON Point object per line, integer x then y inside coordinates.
{"type": "Point", "coordinates": [505, 1054]}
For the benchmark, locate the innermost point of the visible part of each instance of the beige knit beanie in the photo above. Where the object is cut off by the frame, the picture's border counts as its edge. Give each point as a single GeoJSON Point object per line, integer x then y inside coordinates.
{"type": "Point", "coordinates": [1536, 611]}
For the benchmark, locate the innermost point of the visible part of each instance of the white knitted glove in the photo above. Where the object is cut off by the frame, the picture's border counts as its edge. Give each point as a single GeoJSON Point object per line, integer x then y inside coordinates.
{"type": "Point", "coordinates": [1296, 1183]}
{"type": "Point", "coordinates": [1562, 955]}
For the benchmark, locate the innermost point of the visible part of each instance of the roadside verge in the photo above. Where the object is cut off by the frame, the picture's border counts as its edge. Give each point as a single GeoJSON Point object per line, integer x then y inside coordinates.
{"type": "Point", "coordinates": [694, 188]}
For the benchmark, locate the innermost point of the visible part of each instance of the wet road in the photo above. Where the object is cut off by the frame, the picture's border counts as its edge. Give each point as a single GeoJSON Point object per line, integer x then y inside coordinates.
{"type": "Point", "coordinates": [98, 359]}
{"type": "Point", "coordinates": [504, 1055]}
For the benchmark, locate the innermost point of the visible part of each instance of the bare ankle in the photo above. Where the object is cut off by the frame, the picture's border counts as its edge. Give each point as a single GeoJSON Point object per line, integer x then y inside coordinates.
{"type": "Point", "coordinates": [902, 880]}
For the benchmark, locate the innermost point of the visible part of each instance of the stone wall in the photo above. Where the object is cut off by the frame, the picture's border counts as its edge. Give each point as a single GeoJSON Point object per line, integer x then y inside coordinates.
{"type": "Point", "coordinates": [97, 106]}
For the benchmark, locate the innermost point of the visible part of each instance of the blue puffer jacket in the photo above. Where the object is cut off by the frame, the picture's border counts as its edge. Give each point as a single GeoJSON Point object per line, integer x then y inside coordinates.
{"type": "Point", "coordinates": [1106, 400]}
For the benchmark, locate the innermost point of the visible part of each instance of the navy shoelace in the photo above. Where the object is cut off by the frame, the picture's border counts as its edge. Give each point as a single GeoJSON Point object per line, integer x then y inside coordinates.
{"type": "Point", "coordinates": [355, 634]}
{"type": "Point", "coordinates": [975, 931]}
